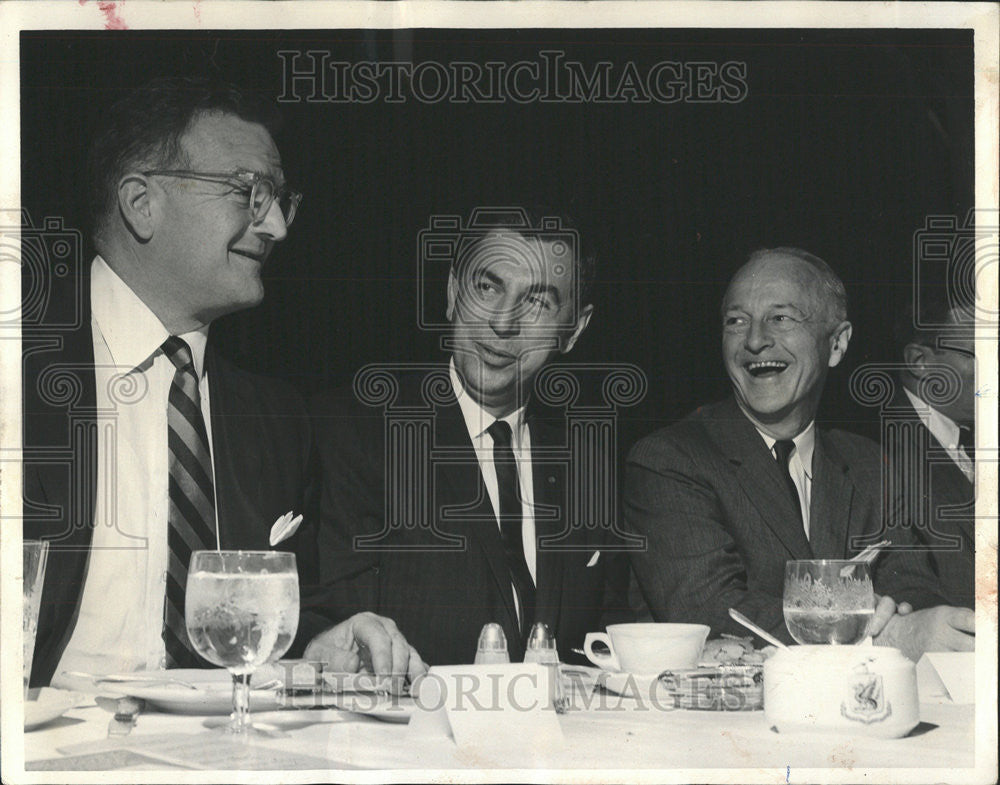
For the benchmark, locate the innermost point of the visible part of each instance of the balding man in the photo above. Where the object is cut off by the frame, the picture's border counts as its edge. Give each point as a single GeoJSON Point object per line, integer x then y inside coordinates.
{"type": "Point", "coordinates": [731, 493]}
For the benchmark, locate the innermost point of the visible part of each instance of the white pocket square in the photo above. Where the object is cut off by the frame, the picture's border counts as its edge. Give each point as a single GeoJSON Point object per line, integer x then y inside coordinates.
{"type": "Point", "coordinates": [594, 558]}
{"type": "Point", "coordinates": [284, 527]}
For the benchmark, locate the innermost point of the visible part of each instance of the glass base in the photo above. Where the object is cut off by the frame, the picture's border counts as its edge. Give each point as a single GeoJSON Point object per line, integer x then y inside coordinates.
{"type": "Point", "coordinates": [255, 731]}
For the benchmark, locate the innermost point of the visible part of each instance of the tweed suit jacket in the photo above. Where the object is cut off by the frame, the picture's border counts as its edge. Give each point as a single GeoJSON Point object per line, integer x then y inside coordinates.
{"type": "Point", "coordinates": [711, 501]}
{"type": "Point", "coordinates": [938, 497]}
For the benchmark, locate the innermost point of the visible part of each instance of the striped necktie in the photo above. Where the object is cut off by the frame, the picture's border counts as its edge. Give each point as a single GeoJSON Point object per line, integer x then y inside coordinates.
{"type": "Point", "coordinates": [192, 497]}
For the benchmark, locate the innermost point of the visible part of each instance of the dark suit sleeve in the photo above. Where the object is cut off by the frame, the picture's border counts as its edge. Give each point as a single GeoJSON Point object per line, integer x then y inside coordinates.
{"type": "Point", "coordinates": [904, 572]}
{"type": "Point", "coordinates": [346, 500]}
{"type": "Point", "coordinates": [691, 569]}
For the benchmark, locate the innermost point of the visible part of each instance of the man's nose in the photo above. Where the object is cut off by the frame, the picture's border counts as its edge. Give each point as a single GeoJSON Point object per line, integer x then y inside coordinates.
{"type": "Point", "coordinates": [758, 337]}
{"type": "Point", "coordinates": [506, 321]}
{"type": "Point", "coordinates": [273, 225]}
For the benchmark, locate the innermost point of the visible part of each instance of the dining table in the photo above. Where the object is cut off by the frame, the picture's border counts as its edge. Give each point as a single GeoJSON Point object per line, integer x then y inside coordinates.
{"type": "Point", "coordinates": [602, 737]}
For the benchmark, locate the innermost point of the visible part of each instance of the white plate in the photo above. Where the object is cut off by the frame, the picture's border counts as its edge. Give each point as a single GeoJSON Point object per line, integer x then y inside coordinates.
{"type": "Point", "coordinates": [389, 708]}
{"type": "Point", "coordinates": [213, 693]}
{"type": "Point", "coordinates": [48, 705]}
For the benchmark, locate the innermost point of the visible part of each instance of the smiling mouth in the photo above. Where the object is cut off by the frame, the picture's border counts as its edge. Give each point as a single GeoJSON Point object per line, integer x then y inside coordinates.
{"type": "Point", "coordinates": [765, 368]}
{"type": "Point", "coordinates": [495, 357]}
{"type": "Point", "coordinates": [257, 257]}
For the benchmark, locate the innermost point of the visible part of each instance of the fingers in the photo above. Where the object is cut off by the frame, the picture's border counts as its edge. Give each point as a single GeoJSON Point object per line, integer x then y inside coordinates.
{"type": "Point", "coordinates": [960, 641]}
{"type": "Point", "coordinates": [904, 609]}
{"type": "Point", "coordinates": [884, 611]}
{"type": "Point", "coordinates": [963, 619]}
{"type": "Point", "coordinates": [367, 641]}
{"type": "Point", "coordinates": [388, 649]}
{"type": "Point", "coordinates": [415, 666]}
{"type": "Point", "coordinates": [329, 648]}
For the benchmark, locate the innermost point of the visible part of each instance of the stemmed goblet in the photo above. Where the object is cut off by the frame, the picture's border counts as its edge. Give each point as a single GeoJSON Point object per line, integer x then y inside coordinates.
{"type": "Point", "coordinates": [828, 601]}
{"type": "Point", "coordinates": [242, 611]}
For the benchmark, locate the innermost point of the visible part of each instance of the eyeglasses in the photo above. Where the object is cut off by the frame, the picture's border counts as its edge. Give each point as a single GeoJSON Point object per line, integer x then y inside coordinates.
{"type": "Point", "coordinates": [259, 190]}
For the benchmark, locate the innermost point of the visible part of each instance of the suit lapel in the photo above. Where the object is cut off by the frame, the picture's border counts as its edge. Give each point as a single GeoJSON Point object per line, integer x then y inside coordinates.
{"type": "Point", "coordinates": [463, 495]}
{"type": "Point", "coordinates": [948, 483]}
{"type": "Point", "coordinates": [68, 485]}
{"type": "Point", "coordinates": [548, 485]}
{"type": "Point", "coordinates": [759, 476]}
{"type": "Point", "coordinates": [832, 497]}
{"type": "Point", "coordinates": [236, 459]}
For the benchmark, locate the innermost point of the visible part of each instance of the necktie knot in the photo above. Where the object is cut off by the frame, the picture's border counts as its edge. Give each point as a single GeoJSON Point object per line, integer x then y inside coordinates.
{"type": "Point", "coordinates": [783, 449]}
{"type": "Point", "coordinates": [501, 433]}
{"type": "Point", "coordinates": [178, 352]}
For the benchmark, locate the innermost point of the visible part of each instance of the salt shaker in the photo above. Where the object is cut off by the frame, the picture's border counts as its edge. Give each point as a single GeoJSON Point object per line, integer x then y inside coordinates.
{"type": "Point", "coordinates": [542, 649]}
{"type": "Point", "coordinates": [492, 646]}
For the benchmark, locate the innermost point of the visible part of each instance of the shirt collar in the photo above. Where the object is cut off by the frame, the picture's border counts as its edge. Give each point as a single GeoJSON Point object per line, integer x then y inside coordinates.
{"type": "Point", "coordinates": [130, 329]}
{"type": "Point", "coordinates": [477, 420]}
{"type": "Point", "coordinates": [942, 427]}
{"type": "Point", "coordinates": [805, 444]}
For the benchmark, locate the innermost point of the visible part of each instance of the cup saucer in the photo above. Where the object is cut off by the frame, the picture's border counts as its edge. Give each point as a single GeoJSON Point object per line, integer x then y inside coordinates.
{"type": "Point", "coordinates": [629, 685]}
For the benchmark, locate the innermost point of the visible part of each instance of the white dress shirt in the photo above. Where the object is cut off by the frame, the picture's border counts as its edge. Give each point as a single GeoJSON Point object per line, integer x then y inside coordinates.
{"type": "Point", "coordinates": [120, 622]}
{"type": "Point", "coordinates": [945, 430]}
{"type": "Point", "coordinates": [800, 466]}
{"type": "Point", "coordinates": [476, 422]}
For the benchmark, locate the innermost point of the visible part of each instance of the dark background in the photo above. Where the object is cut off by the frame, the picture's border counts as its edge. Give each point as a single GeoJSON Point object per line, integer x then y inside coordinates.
{"type": "Point", "coordinates": [845, 143]}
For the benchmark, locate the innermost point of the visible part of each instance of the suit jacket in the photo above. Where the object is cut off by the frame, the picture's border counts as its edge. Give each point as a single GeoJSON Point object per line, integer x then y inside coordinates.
{"type": "Point", "coordinates": [711, 500]}
{"type": "Point", "coordinates": [938, 497]}
{"type": "Point", "coordinates": [442, 579]}
{"type": "Point", "coordinates": [260, 439]}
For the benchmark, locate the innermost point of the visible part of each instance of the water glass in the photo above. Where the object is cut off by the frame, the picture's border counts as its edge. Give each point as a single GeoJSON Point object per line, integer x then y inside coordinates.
{"type": "Point", "coordinates": [828, 601]}
{"type": "Point", "coordinates": [242, 611]}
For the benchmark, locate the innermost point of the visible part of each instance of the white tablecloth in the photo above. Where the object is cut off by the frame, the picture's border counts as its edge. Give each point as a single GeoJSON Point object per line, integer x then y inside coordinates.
{"type": "Point", "coordinates": [594, 739]}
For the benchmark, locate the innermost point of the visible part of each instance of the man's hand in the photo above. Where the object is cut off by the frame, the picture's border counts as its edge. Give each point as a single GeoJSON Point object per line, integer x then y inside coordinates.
{"type": "Point", "coordinates": [366, 642]}
{"type": "Point", "coordinates": [943, 628]}
{"type": "Point", "coordinates": [884, 611]}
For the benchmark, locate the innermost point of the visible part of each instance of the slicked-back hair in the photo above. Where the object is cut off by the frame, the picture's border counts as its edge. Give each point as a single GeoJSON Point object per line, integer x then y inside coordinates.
{"type": "Point", "coordinates": [586, 257]}
{"type": "Point", "coordinates": [833, 287]}
{"type": "Point", "coordinates": [937, 307]}
{"type": "Point", "coordinates": [143, 131]}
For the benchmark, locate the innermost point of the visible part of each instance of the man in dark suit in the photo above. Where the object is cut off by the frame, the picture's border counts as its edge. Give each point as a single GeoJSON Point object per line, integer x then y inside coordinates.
{"type": "Point", "coordinates": [450, 510]}
{"type": "Point", "coordinates": [141, 443]}
{"type": "Point", "coordinates": [730, 493]}
{"type": "Point", "coordinates": [929, 439]}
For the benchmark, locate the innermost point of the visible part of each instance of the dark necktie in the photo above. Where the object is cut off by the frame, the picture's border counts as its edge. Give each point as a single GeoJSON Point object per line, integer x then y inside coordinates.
{"type": "Point", "coordinates": [783, 452]}
{"type": "Point", "coordinates": [967, 441]}
{"type": "Point", "coordinates": [192, 497]}
{"type": "Point", "coordinates": [511, 520]}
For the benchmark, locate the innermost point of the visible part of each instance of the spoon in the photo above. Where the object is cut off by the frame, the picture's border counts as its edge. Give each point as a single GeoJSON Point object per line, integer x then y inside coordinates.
{"type": "Point", "coordinates": [867, 556]}
{"type": "Point", "coordinates": [739, 617]}
{"type": "Point", "coordinates": [125, 678]}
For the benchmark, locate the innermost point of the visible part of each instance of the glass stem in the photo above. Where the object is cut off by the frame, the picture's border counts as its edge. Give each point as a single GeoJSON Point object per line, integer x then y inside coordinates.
{"type": "Point", "coordinates": [241, 703]}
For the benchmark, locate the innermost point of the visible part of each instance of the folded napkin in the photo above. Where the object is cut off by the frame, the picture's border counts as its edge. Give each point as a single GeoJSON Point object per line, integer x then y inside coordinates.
{"type": "Point", "coordinates": [947, 677]}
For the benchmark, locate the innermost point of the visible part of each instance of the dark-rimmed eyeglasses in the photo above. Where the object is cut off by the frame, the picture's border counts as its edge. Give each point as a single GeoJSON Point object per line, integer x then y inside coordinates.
{"type": "Point", "coordinates": [259, 190]}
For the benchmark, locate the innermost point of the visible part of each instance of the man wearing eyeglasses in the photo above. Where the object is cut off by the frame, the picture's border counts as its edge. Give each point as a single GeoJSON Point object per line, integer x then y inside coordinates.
{"type": "Point", "coordinates": [172, 448]}
{"type": "Point", "coordinates": [931, 447]}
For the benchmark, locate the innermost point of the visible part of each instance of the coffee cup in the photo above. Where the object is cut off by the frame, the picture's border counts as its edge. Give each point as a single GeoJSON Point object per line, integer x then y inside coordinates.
{"type": "Point", "coordinates": [648, 647]}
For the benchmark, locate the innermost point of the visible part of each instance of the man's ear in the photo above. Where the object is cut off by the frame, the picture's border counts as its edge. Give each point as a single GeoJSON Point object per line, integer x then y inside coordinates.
{"type": "Point", "coordinates": [135, 203]}
{"type": "Point", "coordinates": [581, 325]}
{"type": "Point", "coordinates": [917, 356]}
{"type": "Point", "coordinates": [452, 295]}
{"type": "Point", "coordinates": [839, 339]}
